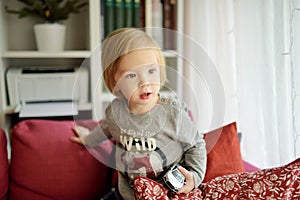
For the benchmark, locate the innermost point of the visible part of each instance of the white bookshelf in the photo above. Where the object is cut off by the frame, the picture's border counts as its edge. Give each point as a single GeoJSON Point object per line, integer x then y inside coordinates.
{"type": "Point", "coordinates": [83, 37]}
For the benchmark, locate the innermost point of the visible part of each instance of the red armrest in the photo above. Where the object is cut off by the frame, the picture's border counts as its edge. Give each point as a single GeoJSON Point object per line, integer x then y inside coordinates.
{"type": "Point", "coordinates": [249, 167]}
{"type": "Point", "coordinates": [3, 166]}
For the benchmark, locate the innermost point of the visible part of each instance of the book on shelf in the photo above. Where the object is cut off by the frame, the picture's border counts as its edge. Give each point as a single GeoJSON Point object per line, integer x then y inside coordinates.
{"type": "Point", "coordinates": [153, 20]}
{"type": "Point", "coordinates": [169, 23]}
{"type": "Point", "coordinates": [128, 10]}
{"type": "Point", "coordinates": [159, 18]}
{"type": "Point", "coordinates": [138, 13]}
{"type": "Point", "coordinates": [109, 16]}
{"type": "Point", "coordinates": [157, 22]}
{"type": "Point", "coordinates": [121, 13]}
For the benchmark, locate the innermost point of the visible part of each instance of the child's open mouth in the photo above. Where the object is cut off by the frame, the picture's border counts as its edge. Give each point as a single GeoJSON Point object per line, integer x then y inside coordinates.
{"type": "Point", "coordinates": [145, 95]}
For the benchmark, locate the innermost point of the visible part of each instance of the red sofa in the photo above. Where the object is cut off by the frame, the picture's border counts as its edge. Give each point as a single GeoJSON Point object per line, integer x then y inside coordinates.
{"type": "Point", "coordinates": [3, 166]}
{"type": "Point", "coordinates": [46, 165]}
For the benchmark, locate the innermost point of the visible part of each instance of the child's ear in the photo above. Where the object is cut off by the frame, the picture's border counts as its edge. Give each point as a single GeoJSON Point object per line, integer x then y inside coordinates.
{"type": "Point", "coordinates": [114, 85]}
{"type": "Point", "coordinates": [117, 91]}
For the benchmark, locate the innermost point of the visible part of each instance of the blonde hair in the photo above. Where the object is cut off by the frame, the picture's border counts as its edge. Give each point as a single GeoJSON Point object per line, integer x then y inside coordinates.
{"type": "Point", "coordinates": [121, 42]}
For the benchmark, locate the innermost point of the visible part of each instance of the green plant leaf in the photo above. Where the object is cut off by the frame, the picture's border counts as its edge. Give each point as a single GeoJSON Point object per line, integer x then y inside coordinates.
{"type": "Point", "coordinates": [49, 10]}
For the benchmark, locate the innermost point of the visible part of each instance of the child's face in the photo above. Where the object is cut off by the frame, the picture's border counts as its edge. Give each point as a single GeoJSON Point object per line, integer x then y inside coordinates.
{"type": "Point", "coordinates": [138, 77]}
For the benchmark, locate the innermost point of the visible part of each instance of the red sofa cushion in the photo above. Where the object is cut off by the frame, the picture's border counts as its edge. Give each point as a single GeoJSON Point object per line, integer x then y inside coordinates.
{"type": "Point", "coordinates": [45, 164]}
{"type": "Point", "coordinates": [3, 166]}
{"type": "Point", "coordinates": [223, 152]}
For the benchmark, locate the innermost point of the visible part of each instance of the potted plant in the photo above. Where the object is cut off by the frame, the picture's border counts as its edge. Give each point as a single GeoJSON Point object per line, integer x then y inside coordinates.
{"type": "Point", "coordinates": [49, 34]}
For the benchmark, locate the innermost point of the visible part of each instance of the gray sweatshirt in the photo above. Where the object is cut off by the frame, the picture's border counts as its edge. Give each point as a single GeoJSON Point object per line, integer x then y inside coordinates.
{"type": "Point", "coordinates": [148, 144]}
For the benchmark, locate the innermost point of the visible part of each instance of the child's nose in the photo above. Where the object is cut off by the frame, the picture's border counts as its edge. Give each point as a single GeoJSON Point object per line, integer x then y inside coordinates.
{"type": "Point", "coordinates": [144, 81]}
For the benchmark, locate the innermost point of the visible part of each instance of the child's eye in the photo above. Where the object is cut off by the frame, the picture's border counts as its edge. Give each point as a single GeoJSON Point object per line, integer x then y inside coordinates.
{"type": "Point", "coordinates": [129, 76]}
{"type": "Point", "coordinates": [151, 71]}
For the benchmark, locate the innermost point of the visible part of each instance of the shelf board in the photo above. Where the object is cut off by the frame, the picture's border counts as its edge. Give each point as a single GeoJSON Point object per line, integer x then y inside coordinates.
{"type": "Point", "coordinates": [41, 54]}
{"type": "Point", "coordinates": [63, 54]}
{"type": "Point", "coordinates": [16, 109]}
{"type": "Point", "coordinates": [170, 53]}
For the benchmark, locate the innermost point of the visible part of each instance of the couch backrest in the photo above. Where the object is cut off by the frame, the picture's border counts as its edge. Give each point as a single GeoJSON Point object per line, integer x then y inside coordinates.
{"type": "Point", "coordinates": [45, 164]}
{"type": "Point", "coordinates": [3, 166]}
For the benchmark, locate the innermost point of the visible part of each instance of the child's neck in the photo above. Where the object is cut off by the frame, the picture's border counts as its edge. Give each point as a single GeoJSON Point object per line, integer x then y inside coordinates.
{"type": "Point", "coordinates": [141, 109]}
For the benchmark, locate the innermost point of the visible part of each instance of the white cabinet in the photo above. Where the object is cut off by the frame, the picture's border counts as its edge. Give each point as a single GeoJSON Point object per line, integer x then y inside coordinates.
{"type": "Point", "coordinates": [18, 49]}
{"type": "Point", "coordinates": [83, 39]}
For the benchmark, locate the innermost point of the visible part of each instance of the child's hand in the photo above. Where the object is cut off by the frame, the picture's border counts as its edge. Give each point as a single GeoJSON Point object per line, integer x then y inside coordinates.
{"type": "Point", "coordinates": [81, 134]}
{"type": "Point", "coordinates": [189, 184]}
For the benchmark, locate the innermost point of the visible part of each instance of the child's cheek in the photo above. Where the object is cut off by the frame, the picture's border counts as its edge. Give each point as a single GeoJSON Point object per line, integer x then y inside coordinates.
{"type": "Point", "coordinates": [127, 87]}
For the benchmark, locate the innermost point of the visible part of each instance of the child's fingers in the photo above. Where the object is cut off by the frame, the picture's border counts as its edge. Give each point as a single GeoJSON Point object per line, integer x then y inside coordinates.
{"type": "Point", "coordinates": [184, 172]}
{"type": "Point", "coordinates": [189, 185]}
{"type": "Point", "coordinates": [76, 140]}
{"type": "Point", "coordinates": [81, 133]}
{"type": "Point", "coordinates": [75, 129]}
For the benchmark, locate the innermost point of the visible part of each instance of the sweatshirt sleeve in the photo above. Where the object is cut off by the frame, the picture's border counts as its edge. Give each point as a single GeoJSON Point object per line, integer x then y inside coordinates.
{"type": "Point", "coordinates": [101, 132]}
{"type": "Point", "coordinates": [195, 159]}
{"type": "Point", "coordinates": [95, 137]}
